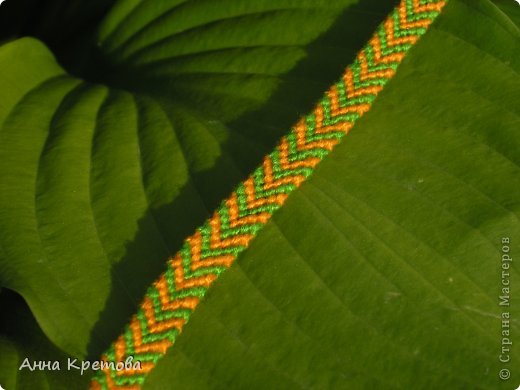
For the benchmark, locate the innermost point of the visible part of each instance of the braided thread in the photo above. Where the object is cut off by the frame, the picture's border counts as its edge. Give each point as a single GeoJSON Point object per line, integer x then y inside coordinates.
{"type": "Point", "coordinates": [204, 256]}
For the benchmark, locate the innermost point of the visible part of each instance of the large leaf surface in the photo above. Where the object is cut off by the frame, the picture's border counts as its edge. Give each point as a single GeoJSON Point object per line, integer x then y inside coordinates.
{"type": "Point", "coordinates": [386, 272]}
{"type": "Point", "coordinates": [381, 272]}
{"type": "Point", "coordinates": [102, 181]}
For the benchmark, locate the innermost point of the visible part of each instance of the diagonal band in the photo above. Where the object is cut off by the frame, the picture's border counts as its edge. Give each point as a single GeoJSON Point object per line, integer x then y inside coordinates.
{"type": "Point", "coordinates": [170, 301]}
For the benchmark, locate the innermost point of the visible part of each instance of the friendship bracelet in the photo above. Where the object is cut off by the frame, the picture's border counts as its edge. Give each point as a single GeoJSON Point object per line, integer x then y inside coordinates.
{"type": "Point", "coordinates": [212, 249]}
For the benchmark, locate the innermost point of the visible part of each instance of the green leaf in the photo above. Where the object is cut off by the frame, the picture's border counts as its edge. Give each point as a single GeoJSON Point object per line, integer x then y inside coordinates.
{"type": "Point", "coordinates": [511, 8]}
{"type": "Point", "coordinates": [386, 270]}
{"type": "Point", "coordinates": [102, 182]}
{"type": "Point", "coordinates": [382, 271]}
{"type": "Point", "coordinates": [20, 339]}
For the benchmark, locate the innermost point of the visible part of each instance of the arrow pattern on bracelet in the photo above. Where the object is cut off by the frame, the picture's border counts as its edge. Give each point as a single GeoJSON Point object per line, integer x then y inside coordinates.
{"type": "Point", "coordinates": [169, 302]}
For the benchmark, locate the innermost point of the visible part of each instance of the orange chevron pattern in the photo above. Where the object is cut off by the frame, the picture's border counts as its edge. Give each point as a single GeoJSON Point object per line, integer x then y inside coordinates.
{"type": "Point", "coordinates": [213, 248]}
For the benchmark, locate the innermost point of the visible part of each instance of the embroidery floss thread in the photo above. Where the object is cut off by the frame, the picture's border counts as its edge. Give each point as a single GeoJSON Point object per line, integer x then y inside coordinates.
{"type": "Point", "coordinates": [204, 256]}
